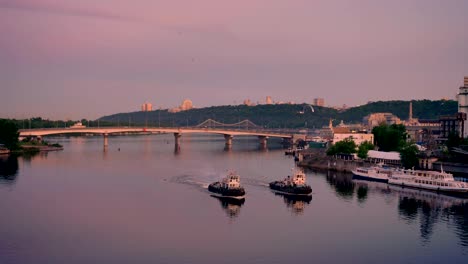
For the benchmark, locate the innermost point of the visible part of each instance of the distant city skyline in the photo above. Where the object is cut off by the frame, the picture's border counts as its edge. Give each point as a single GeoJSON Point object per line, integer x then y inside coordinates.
{"type": "Point", "coordinates": [87, 59]}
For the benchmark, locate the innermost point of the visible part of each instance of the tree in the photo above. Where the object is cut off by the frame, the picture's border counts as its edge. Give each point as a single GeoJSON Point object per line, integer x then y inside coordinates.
{"type": "Point", "coordinates": [454, 140]}
{"type": "Point", "coordinates": [346, 146]}
{"type": "Point", "coordinates": [389, 138]}
{"type": "Point", "coordinates": [364, 148]}
{"type": "Point", "coordinates": [408, 155]}
{"type": "Point", "coordinates": [9, 134]}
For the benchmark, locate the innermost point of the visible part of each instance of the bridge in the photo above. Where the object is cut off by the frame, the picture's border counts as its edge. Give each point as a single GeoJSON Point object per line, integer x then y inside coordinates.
{"type": "Point", "coordinates": [243, 128]}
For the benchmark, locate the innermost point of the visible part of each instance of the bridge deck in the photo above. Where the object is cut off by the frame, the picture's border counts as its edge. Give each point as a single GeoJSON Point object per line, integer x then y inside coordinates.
{"type": "Point", "coordinates": [114, 130]}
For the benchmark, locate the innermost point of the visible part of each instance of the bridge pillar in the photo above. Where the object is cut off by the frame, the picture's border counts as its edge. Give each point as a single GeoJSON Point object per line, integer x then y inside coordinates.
{"type": "Point", "coordinates": [228, 139]}
{"type": "Point", "coordinates": [263, 141]}
{"type": "Point", "coordinates": [177, 140]}
{"type": "Point", "coordinates": [105, 140]}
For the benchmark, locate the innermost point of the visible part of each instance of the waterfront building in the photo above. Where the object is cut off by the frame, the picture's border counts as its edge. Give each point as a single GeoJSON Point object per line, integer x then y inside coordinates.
{"type": "Point", "coordinates": [318, 102]}
{"type": "Point", "coordinates": [247, 102]}
{"type": "Point", "coordinates": [425, 131]}
{"type": "Point", "coordinates": [342, 133]}
{"type": "Point", "coordinates": [146, 107]}
{"type": "Point", "coordinates": [376, 119]}
{"type": "Point", "coordinates": [452, 124]}
{"type": "Point", "coordinates": [463, 106]}
{"type": "Point", "coordinates": [269, 100]}
{"type": "Point", "coordinates": [389, 158]}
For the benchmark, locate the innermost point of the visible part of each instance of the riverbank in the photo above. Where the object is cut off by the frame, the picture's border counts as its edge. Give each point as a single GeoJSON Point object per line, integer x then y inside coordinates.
{"type": "Point", "coordinates": [33, 148]}
{"type": "Point", "coordinates": [318, 160]}
{"type": "Point", "coordinates": [42, 147]}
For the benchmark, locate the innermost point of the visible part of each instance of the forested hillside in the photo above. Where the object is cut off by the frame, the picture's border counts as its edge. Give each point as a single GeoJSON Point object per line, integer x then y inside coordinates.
{"type": "Point", "coordinates": [293, 116]}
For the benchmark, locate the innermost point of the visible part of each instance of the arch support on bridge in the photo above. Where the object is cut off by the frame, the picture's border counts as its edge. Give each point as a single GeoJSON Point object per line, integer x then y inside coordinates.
{"type": "Point", "coordinates": [177, 137]}
{"type": "Point", "coordinates": [106, 143]}
{"type": "Point", "coordinates": [228, 139]}
{"type": "Point", "coordinates": [263, 141]}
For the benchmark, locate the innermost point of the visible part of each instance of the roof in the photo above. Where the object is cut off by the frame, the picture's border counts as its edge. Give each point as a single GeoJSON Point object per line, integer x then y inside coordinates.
{"type": "Point", "coordinates": [341, 130]}
{"type": "Point", "coordinates": [383, 155]}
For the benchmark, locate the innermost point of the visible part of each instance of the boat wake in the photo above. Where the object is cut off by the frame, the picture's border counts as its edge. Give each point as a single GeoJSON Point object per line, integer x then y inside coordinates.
{"type": "Point", "coordinates": [191, 180]}
{"type": "Point", "coordinates": [201, 181]}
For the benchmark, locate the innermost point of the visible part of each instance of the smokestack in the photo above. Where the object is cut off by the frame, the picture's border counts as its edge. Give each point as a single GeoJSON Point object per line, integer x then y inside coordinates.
{"type": "Point", "coordinates": [410, 117]}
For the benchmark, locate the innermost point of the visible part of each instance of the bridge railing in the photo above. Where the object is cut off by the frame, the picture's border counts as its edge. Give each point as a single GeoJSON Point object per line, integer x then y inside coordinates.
{"type": "Point", "coordinates": [145, 129]}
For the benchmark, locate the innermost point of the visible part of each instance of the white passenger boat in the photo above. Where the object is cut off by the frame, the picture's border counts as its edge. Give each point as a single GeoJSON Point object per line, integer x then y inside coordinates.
{"type": "Point", "coordinates": [374, 173]}
{"type": "Point", "coordinates": [430, 180]}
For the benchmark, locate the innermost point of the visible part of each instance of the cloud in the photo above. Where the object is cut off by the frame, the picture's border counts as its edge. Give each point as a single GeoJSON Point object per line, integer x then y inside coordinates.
{"type": "Point", "coordinates": [57, 9]}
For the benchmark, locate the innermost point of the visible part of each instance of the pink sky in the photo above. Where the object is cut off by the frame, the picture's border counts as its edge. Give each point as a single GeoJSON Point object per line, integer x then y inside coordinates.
{"type": "Point", "coordinates": [89, 58]}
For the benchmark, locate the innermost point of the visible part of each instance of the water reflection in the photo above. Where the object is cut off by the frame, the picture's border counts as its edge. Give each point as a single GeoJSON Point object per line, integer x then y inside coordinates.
{"type": "Point", "coordinates": [296, 203]}
{"type": "Point", "coordinates": [342, 183]}
{"type": "Point", "coordinates": [423, 208]}
{"type": "Point", "coordinates": [458, 214]}
{"type": "Point", "coordinates": [8, 169]}
{"type": "Point", "coordinates": [176, 149]}
{"type": "Point", "coordinates": [430, 208]}
{"type": "Point", "coordinates": [362, 191]}
{"type": "Point", "coordinates": [230, 205]}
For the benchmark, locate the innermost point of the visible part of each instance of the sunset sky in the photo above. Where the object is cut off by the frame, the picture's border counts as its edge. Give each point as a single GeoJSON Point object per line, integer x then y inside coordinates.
{"type": "Point", "coordinates": [69, 59]}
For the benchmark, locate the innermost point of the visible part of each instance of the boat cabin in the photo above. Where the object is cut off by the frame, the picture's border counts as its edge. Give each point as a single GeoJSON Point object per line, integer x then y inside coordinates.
{"type": "Point", "coordinates": [298, 177]}
{"type": "Point", "coordinates": [434, 175]}
{"type": "Point", "coordinates": [232, 180]}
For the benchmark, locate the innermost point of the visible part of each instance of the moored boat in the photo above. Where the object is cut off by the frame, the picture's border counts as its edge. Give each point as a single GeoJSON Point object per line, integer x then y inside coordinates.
{"type": "Point", "coordinates": [289, 151]}
{"type": "Point", "coordinates": [429, 180]}
{"type": "Point", "coordinates": [293, 185]}
{"type": "Point", "coordinates": [374, 173]}
{"type": "Point", "coordinates": [228, 187]}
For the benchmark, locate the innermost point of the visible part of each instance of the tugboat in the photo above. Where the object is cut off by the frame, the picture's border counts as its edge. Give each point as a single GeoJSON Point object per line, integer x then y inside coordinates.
{"type": "Point", "coordinates": [229, 187]}
{"type": "Point", "coordinates": [294, 185]}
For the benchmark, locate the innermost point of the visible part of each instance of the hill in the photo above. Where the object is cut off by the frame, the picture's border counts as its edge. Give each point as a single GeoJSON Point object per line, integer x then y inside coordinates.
{"type": "Point", "coordinates": [280, 116]}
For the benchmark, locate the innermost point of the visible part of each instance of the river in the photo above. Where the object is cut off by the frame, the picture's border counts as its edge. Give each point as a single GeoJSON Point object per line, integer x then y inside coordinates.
{"type": "Point", "coordinates": [140, 201]}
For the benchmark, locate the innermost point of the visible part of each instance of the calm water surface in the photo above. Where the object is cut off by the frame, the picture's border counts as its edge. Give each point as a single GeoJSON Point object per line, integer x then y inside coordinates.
{"type": "Point", "coordinates": [148, 204]}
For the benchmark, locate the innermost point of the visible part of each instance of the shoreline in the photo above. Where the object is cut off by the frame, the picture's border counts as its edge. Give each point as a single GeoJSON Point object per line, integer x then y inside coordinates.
{"type": "Point", "coordinates": [28, 149]}
{"type": "Point", "coordinates": [326, 163]}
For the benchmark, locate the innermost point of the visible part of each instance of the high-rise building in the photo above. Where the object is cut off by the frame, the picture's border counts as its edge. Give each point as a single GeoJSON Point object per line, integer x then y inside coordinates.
{"type": "Point", "coordinates": [269, 100]}
{"type": "Point", "coordinates": [186, 105]}
{"type": "Point", "coordinates": [463, 106]}
{"type": "Point", "coordinates": [318, 102]}
{"type": "Point", "coordinates": [146, 107]}
{"type": "Point", "coordinates": [247, 102]}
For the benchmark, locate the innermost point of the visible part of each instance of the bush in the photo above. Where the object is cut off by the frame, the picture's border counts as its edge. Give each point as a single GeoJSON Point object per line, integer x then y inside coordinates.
{"type": "Point", "coordinates": [364, 148]}
{"type": "Point", "coordinates": [346, 146]}
{"type": "Point", "coordinates": [9, 134]}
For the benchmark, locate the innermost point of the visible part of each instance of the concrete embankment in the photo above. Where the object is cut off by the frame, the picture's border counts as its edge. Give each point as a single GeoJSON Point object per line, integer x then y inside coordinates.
{"type": "Point", "coordinates": [320, 161]}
